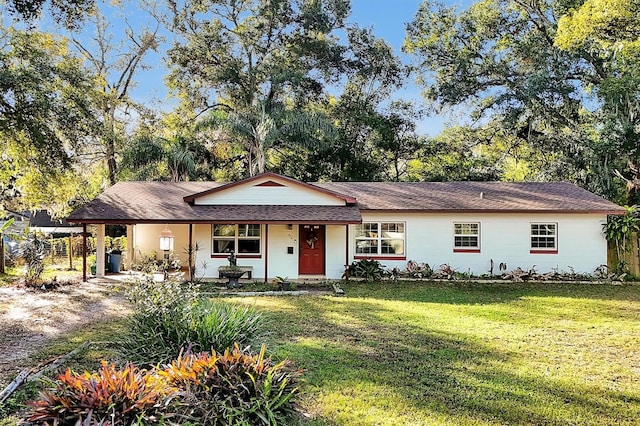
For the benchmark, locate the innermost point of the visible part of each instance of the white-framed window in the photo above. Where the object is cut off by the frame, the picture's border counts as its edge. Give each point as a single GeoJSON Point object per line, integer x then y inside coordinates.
{"type": "Point", "coordinates": [243, 238]}
{"type": "Point", "coordinates": [466, 236]}
{"type": "Point", "coordinates": [544, 236]}
{"type": "Point", "coordinates": [380, 239]}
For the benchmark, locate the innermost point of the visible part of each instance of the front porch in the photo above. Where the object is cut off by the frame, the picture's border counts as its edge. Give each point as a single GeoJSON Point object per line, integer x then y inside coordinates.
{"type": "Point", "coordinates": [298, 251]}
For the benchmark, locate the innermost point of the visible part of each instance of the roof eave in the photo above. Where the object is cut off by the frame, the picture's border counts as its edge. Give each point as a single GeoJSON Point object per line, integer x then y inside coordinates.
{"type": "Point", "coordinates": [131, 221]}
{"type": "Point", "coordinates": [530, 211]}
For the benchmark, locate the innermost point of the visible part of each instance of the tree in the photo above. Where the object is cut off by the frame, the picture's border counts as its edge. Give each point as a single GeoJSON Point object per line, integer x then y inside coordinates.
{"type": "Point", "coordinates": [45, 118]}
{"type": "Point", "coordinates": [610, 31]}
{"type": "Point", "coordinates": [3, 228]}
{"type": "Point", "coordinates": [498, 59]}
{"type": "Point", "coordinates": [247, 55]}
{"type": "Point", "coordinates": [619, 230]}
{"type": "Point", "coordinates": [115, 64]}
{"type": "Point", "coordinates": [604, 25]}
{"type": "Point", "coordinates": [156, 158]}
{"type": "Point", "coordinates": [260, 130]}
{"type": "Point", "coordinates": [366, 132]}
{"type": "Point", "coordinates": [69, 12]}
{"type": "Point", "coordinates": [398, 141]}
{"type": "Point", "coordinates": [257, 64]}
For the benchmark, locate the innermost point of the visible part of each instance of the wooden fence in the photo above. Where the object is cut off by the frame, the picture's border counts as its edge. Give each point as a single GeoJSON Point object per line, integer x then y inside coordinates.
{"type": "Point", "coordinates": [632, 257]}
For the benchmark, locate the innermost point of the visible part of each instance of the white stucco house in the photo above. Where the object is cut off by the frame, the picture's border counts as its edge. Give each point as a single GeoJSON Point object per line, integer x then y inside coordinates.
{"type": "Point", "coordinates": [279, 226]}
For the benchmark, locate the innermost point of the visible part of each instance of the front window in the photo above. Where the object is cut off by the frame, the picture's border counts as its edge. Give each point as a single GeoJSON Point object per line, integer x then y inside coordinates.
{"type": "Point", "coordinates": [466, 236]}
{"type": "Point", "coordinates": [544, 236]}
{"type": "Point", "coordinates": [380, 239]}
{"type": "Point", "coordinates": [240, 239]}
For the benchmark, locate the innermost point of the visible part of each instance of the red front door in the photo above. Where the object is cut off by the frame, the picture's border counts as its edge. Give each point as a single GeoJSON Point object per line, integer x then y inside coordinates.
{"type": "Point", "coordinates": [311, 250]}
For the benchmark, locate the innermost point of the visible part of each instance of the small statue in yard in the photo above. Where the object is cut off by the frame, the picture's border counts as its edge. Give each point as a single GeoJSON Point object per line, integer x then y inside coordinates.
{"type": "Point", "coordinates": [232, 259]}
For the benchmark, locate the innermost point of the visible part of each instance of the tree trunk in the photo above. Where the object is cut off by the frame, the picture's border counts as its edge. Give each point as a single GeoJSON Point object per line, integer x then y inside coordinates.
{"type": "Point", "coordinates": [633, 184]}
{"type": "Point", "coordinates": [111, 160]}
{"type": "Point", "coordinates": [2, 253]}
{"type": "Point", "coordinates": [260, 160]}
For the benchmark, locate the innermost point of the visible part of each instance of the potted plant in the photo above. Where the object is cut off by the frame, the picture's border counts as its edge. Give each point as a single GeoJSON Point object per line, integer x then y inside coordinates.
{"type": "Point", "coordinates": [91, 261]}
{"type": "Point", "coordinates": [283, 283]}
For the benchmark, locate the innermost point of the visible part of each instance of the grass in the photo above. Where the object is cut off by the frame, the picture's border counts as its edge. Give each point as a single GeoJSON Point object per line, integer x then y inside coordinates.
{"type": "Point", "coordinates": [58, 267]}
{"type": "Point", "coordinates": [464, 354]}
{"type": "Point", "coordinates": [450, 353]}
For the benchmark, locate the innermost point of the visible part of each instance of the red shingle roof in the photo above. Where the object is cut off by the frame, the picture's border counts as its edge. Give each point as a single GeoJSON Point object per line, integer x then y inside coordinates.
{"type": "Point", "coordinates": [135, 202]}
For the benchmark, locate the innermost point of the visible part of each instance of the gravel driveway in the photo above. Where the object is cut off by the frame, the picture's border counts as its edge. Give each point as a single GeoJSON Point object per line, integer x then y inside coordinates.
{"type": "Point", "coordinates": [30, 319]}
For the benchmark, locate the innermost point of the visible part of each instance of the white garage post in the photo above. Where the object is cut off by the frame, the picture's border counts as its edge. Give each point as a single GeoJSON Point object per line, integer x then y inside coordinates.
{"type": "Point", "coordinates": [100, 250]}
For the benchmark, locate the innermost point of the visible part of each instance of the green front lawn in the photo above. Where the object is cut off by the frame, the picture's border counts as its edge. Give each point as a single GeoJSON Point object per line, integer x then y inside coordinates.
{"type": "Point", "coordinates": [453, 353]}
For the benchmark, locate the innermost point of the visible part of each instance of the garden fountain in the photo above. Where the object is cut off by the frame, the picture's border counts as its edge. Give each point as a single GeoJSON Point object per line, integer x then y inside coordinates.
{"type": "Point", "coordinates": [232, 272]}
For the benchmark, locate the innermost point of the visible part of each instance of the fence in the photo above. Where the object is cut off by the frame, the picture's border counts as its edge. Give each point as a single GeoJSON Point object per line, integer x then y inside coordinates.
{"type": "Point", "coordinates": [632, 257]}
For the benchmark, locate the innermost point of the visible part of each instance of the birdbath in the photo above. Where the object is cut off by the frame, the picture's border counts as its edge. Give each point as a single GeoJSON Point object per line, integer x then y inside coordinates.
{"type": "Point", "coordinates": [232, 272]}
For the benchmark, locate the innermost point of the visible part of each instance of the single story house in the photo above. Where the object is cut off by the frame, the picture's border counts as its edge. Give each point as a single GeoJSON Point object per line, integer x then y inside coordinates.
{"type": "Point", "coordinates": [279, 226]}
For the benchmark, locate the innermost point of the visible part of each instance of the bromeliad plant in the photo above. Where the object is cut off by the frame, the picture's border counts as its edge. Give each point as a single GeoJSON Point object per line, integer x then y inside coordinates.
{"type": "Point", "coordinates": [109, 396]}
{"type": "Point", "coordinates": [211, 388]}
{"type": "Point", "coordinates": [369, 269]}
{"type": "Point", "coordinates": [417, 270]}
{"type": "Point", "coordinates": [237, 387]}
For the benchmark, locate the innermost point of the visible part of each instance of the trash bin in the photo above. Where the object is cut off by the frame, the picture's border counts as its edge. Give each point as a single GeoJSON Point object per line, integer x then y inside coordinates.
{"type": "Point", "coordinates": [115, 261]}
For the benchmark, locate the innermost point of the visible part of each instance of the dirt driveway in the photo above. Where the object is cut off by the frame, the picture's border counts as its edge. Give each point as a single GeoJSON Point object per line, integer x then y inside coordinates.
{"type": "Point", "coordinates": [30, 319]}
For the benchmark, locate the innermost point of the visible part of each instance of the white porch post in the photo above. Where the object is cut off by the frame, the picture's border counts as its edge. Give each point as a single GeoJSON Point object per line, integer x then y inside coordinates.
{"type": "Point", "coordinates": [100, 250]}
{"type": "Point", "coordinates": [130, 252]}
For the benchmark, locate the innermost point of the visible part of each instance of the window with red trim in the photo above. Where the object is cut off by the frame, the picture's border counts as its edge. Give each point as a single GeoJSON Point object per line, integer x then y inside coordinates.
{"type": "Point", "coordinates": [243, 238]}
{"type": "Point", "coordinates": [544, 237]}
{"type": "Point", "coordinates": [380, 239]}
{"type": "Point", "coordinates": [466, 237]}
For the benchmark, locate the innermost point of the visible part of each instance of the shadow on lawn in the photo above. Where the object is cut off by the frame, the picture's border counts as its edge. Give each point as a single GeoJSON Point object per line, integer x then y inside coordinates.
{"type": "Point", "coordinates": [434, 373]}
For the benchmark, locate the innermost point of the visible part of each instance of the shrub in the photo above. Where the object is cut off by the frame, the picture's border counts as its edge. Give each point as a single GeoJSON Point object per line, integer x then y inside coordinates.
{"type": "Point", "coordinates": [217, 326]}
{"type": "Point", "coordinates": [237, 387]}
{"type": "Point", "coordinates": [33, 253]}
{"type": "Point", "coordinates": [149, 263]}
{"type": "Point", "coordinates": [109, 396]}
{"type": "Point", "coordinates": [168, 317]}
{"type": "Point", "coordinates": [445, 272]}
{"type": "Point", "coordinates": [417, 270]}
{"type": "Point", "coordinates": [369, 269]}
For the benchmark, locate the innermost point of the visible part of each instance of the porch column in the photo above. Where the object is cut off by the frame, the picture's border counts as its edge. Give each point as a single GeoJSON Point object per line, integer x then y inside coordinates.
{"type": "Point", "coordinates": [346, 247]}
{"type": "Point", "coordinates": [70, 251]}
{"type": "Point", "coordinates": [190, 252]}
{"type": "Point", "coordinates": [266, 251]}
{"type": "Point", "coordinates": [130, 252]}
{"type": "Point", "coordinates": [84, 252]}
{"type": "Point", "coordinates": [100, 250]}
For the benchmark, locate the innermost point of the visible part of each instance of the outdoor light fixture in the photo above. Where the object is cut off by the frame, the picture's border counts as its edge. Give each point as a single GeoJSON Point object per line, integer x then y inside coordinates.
{"type": "Point", "coordinates": [166, 240]}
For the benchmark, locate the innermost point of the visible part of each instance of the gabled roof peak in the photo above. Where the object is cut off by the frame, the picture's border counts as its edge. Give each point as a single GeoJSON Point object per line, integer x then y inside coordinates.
{"type": "Point", "coordinates": [270, 179]}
